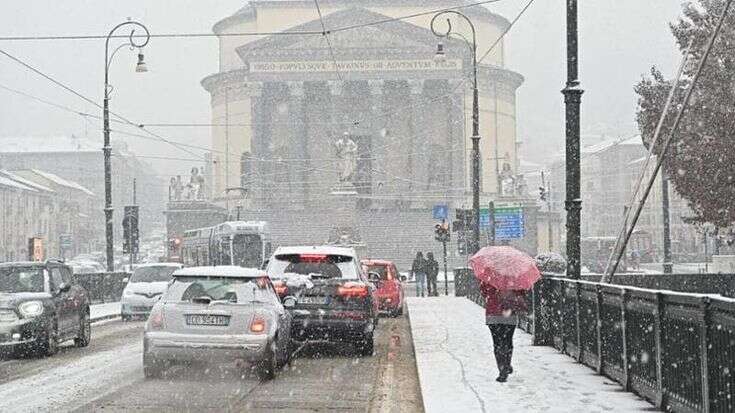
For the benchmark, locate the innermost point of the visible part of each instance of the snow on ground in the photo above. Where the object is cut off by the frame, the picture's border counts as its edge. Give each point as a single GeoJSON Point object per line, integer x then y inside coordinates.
{"type": "Point", "coordinates": [99, 312]}
{"type": "Point", "coordinates": [457, 370]}
{"type": "Point", "coordinates": [64, 387]}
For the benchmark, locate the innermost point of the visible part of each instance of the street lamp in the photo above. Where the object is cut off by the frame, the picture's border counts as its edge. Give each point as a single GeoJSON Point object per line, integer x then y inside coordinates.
{"type": "Point", "coordinates": [140, 67]}
{"type": "Point", "coordinates": [572, 99]}
{"type": "Point", "coordinates": [440, 56]}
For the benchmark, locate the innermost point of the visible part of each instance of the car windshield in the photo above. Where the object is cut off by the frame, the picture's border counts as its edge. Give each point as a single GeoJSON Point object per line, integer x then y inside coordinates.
{"type": "Point", "coordinates": [152, 274]}
{"type": "Point", "coordinates": [314, 265]}
{"type": "Point", "coordinates": [228, 289]}
{"type": "Point", "coordinates": [21, 280]}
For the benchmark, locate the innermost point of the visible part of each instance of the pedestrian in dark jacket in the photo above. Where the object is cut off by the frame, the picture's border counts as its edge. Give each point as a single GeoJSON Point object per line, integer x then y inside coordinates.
{"type": "Point", "coordinates": [419, 272]}
{"type": "Point", "coordinates": [432, 272]}
{"type": "Point", "coordinates": [502, 308]}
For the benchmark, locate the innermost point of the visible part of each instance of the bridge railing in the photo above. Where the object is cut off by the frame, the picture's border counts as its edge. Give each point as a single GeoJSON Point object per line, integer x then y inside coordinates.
{"type": "Point", "coordinates": [103, 287]}
{"type": "Point", "coordinates": [675, 349]}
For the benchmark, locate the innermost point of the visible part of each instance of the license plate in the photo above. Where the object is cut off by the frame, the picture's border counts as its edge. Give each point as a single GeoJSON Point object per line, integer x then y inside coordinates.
{"type": "Point", "coordinates": [314, 300]}
{"type": "Point", "coordinates": [207, 320]}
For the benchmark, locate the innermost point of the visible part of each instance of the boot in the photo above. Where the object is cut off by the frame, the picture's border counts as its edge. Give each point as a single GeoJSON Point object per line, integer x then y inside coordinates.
{"type": "Point", "coordinates": [500, 359]}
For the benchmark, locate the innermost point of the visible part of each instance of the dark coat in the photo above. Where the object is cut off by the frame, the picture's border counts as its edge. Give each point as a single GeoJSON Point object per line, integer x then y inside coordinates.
{"type": "Point", "coordinates": [432, 268]}
{"type": "Point", "coordinates": [419, 265]}
{"type": "Point", "coordinates": [503, 306]}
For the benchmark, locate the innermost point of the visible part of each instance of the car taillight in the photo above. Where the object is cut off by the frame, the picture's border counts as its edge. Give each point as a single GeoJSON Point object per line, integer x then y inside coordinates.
{"type": "Point", "coordinates": [257, 325]}
{"type": "Point", "coordinates": [156, 320]}
{"type": "Point", "coordinates": [281, 288]}
{"type": "Point", "coordinates": [352, 290]}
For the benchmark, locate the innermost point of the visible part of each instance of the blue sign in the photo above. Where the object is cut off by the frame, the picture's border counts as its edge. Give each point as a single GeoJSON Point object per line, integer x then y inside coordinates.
{"type": "Point", "coordinates": [484, 218]}
{"type": "Point", "coordinates": [509, 223]}
{"type": "Point", "coordinates": [440, 211]}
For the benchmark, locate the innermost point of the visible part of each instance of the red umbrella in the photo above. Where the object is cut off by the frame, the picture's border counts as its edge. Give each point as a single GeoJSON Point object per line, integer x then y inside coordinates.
{"type": "Point", "coordinates": [505, 268]}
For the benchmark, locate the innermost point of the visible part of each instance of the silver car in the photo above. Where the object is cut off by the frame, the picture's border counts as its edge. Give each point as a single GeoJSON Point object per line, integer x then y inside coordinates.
{"type": "Point", "coordinates": [224, 314]}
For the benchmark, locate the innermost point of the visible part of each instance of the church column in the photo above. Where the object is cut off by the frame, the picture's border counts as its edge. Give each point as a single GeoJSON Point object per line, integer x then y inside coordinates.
{"type": "Point", "coordinates": [379, 150]}
{"type": "Point", "coordinates": [261, 116]}
{"type": "Point", "coordinates": [299, 138]}
{"type": "Point", "coordinates": [416, 132]}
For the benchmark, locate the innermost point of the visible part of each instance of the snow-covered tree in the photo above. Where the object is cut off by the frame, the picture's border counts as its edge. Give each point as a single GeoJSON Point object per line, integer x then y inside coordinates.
{"type": "Point", "coordinates": [701, 158]}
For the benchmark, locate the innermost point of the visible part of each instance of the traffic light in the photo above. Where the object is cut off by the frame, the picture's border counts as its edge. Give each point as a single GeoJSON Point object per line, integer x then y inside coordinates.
{"type": "Point", "coordinates": [441, 231]}
{"type": "Point", "coordinates": [130, 229]}
{"type": "Point", "coordinates": [462, 243]}
{"type": "Point", "coordinates": [542, 193]}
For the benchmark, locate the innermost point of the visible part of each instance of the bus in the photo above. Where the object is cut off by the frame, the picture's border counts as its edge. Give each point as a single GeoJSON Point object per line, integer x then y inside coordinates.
{"type": "Point", "coordinates": [244, 244]}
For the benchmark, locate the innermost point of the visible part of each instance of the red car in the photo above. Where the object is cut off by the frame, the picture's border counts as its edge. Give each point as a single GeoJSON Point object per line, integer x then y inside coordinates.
{"type": "Point", "coordinates": [389, 288]}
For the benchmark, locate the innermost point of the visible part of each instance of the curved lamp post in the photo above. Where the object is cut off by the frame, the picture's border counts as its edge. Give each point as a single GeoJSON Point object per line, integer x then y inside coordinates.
{"type": "Point", "coordinates": [140, 67]}
{"type": "Point", "coordinates": [440, 55]}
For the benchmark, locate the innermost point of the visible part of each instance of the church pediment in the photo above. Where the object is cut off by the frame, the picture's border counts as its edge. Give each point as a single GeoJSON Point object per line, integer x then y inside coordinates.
{"type": "Point", "coordinates": [388, 37]}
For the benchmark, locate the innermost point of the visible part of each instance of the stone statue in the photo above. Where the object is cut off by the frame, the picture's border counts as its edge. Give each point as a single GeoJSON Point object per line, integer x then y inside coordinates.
{"type": "Point", "coordinates": [507, 181]}
{"type": "Point", "coordinates": [196, 185]}
{"type": "Point", "coordinates": [347, 154]}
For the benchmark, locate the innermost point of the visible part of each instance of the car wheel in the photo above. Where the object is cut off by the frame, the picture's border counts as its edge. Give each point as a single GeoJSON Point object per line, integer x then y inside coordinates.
{"type": "Point", "coordinates": [49, 342]}
{"type": "Point", "coordinates": [366, 346]}
{"type": "Point", "coordinates": [152, 368]}
{"type": "Point", "coordinates": [85, 331]}
{"type": "Point", "coordinates": [266, 369]}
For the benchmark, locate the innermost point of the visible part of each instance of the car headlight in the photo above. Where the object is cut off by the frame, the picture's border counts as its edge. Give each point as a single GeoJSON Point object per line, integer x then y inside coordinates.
{"type": "Point", "coordinates": [31, 308]}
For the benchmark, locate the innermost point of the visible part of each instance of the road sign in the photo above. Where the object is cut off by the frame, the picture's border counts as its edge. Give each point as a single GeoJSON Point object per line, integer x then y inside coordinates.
{"type": "Point", "coordinates": [509, 221]}
{"type": "Point", "coordinates": [65, 241]}
{"type": "Point", "coordinates": [440, 211]}
{"type": "Point", "coordinates": [484, 218]}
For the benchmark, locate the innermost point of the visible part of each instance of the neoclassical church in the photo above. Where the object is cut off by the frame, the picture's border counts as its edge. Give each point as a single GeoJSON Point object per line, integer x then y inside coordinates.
{"type": "Point", "coordinates": [300, 114]}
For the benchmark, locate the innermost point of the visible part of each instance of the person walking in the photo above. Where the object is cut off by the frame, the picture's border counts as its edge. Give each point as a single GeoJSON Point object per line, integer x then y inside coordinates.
{"type": "Point", "coordinates": [502, 308]}
{"type": "Point", "coordinates": [432, 272]}
{"type": "Point", "coordinates": [418, 269]}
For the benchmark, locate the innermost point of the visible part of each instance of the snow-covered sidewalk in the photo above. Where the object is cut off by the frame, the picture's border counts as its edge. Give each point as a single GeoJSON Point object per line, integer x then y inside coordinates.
{"type": "Point", "coordinates": [457, 370]}
{"type": "Point", "coordinates": [104, 311]}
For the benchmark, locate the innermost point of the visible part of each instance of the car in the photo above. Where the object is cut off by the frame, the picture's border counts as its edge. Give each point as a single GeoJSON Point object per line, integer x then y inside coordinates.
{"type": "Point", "coordinates": [389, 287]}
{"type": "Point", "coordinates": [41, 307]}
{"type": "Point", "coordinates": [223, 313]}
{"type": "Point", "coordinates": [145, 286]}
{"type": "Point", "coordinates": [328, 293]}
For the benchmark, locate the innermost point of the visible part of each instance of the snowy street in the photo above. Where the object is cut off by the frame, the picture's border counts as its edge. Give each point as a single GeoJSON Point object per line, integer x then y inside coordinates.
{"type": "Point", "coordinates": [457, 370]}
{"type": "Point", "coordinates": [108, 375]}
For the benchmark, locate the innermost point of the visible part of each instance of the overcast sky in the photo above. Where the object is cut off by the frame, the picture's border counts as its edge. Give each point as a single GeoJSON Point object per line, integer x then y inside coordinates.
{"type": "Point", "coordinates": [619, 41]}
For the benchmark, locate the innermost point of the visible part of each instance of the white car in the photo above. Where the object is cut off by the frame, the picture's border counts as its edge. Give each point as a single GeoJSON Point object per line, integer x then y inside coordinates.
{"type": "Point", "coordinates": [144, 288]}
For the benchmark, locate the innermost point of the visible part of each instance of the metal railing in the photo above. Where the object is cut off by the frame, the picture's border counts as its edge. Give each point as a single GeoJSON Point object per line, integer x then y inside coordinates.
{"type": "Point", "coordinates": [676, 350]}
{"type": "Point", "coordinates": [103, 287]}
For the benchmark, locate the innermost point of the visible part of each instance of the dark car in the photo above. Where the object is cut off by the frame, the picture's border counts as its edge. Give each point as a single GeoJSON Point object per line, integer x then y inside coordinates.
{"type": "Point", "coordinates": [40, 308]}
{"type": "Point", "coordinates": [328, 294]}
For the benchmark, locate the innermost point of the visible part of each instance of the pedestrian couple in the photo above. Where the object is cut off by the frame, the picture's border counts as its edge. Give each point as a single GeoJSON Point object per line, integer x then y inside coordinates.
{"type": "Point", "coordinates": [504, 275]}
{"type": "Point", "coordinates": [423, 270]}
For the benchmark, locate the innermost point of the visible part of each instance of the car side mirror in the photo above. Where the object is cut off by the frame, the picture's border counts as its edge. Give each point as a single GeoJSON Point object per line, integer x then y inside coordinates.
{"type": "Point", "coordinates": [403, 278]}
{"type": "Point", "coordinates": [289, 302]}
{"type": "Point", "coordinates": [125, 280]}
{"type": "Point", "coordinates": [374, 276]}
{"type": "Point", "coordinates": [64, 288]}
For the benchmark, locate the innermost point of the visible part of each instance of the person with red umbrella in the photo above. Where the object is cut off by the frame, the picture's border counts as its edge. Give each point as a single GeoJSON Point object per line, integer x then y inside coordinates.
{"type": "Point", "coordinates": [505, 275]}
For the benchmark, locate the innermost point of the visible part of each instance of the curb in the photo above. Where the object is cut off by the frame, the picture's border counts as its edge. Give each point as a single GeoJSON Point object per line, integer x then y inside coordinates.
{"type": "Point", "coordinates": [103, 318]}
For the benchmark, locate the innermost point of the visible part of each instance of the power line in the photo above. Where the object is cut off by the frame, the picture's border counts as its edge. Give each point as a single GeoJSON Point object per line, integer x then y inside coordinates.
{"type": "Point", "coordinates": [325, 34]}
{"type": "Point", "coordinates": [242, 34]}
{"type": "Point", "coordinates": [85, 98]}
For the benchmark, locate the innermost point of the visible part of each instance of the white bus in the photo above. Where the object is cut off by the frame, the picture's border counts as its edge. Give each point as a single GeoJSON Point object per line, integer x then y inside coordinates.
{"type": "Point", "coordinates": [240, 243]}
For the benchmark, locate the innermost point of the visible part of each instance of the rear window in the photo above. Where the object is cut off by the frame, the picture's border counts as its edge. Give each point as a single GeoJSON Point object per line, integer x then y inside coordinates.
{"type": "Point", "coordinates": [383, 270]}
{"type": "Point", "coordinates": [227, 289]}
{"type": "Point", "coordinates": [152, 274]}
{"type": "Point", "coordinates": [314, 266]}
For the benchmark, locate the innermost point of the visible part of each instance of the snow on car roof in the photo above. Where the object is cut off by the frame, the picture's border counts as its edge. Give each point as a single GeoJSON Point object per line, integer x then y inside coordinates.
{"type": "Point", "coordinates": [220, 271]}
{"type": "Point", "coordinates": [317, 249]}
